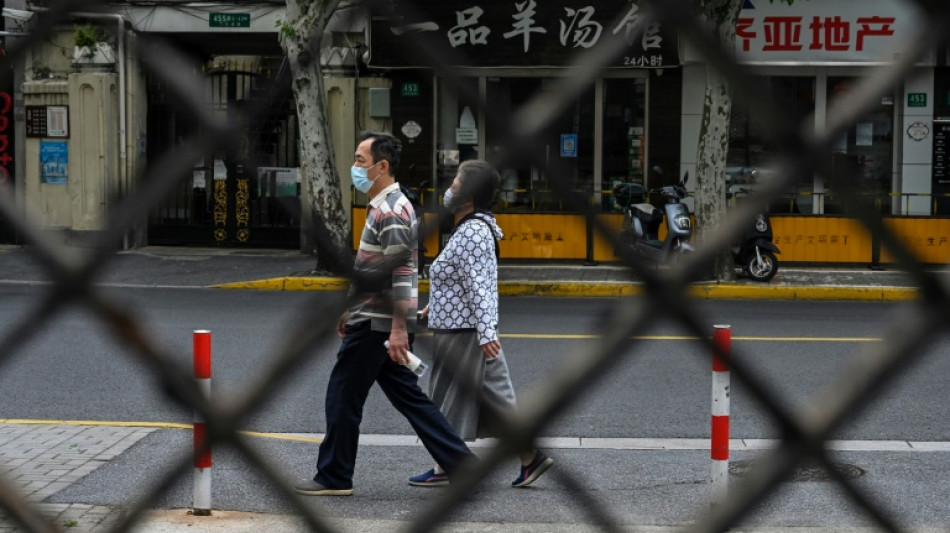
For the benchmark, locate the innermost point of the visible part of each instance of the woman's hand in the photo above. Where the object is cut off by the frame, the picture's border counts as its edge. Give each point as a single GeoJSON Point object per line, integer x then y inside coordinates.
{"type": "Point", "coordinates": [491, 349]}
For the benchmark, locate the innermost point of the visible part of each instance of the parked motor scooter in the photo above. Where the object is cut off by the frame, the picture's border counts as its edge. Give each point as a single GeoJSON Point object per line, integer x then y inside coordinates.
{"type": "Point", "coordinates": [641, 226]}
{"type": "Point", "coordinates": [755, 252]}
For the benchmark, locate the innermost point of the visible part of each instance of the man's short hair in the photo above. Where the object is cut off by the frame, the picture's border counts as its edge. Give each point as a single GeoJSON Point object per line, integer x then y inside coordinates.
{"type": "Point", "coordinates": [479, 182]}
{"type": "Point", "coordinates": [384, 146]}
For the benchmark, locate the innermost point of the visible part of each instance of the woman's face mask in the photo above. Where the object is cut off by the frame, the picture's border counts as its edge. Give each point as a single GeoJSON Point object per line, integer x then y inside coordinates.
{"type": "Point", "coordinates": [447, 200]}
{"type": "Point", "coordinates": [361, 182]}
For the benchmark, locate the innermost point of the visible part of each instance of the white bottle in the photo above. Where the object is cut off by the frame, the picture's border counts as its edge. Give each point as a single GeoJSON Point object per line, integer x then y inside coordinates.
{"type": "Point", "coordinates": [415, 364]}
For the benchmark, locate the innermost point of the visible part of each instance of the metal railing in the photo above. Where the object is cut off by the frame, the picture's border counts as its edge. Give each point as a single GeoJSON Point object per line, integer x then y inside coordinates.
{"type": "Point", "coordinates": [803, 432]}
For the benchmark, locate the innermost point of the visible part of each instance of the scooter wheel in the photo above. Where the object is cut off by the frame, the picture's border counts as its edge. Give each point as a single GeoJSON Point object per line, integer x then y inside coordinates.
{"type": "Point", "coordinates": [761, 270]}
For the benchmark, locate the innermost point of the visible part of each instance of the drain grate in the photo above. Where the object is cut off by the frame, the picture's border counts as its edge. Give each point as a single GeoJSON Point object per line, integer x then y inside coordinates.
{"type": "Point", "coordinates": [803, 472]}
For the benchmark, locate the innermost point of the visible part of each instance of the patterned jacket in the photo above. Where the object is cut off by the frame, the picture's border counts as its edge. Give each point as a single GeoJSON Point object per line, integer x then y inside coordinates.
{"type": "Point", "coordinates": [463, 280]}
{"type": "Point", "coordinates": [389, 234]}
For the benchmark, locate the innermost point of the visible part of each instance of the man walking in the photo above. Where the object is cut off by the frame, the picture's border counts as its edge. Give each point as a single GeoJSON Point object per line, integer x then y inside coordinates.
{"type": "Point", "coordinates": [385, 261]}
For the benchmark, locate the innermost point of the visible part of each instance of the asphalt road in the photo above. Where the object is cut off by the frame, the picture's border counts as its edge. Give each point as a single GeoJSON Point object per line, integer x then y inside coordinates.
{"type": "Point", "coordinates": [73, 369]}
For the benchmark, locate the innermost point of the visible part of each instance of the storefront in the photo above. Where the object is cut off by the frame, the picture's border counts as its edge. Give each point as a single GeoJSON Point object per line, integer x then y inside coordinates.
{"type": "Point", "coordinates": [645, 109]}
{"type": "Point", "coordinates": [509, 54]}
{"type": "Point", "coordinates": [808, 56]}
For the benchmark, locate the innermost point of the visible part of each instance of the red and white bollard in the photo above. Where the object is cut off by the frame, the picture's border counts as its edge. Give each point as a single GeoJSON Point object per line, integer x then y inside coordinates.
{"type": "Point", "coordinates": [202, 478]}
{"type": "Point", "coordinates": [719, 442]}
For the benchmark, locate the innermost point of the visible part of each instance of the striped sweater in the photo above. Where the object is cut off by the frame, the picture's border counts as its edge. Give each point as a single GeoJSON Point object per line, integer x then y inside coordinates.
{"type": "Point", "coordinates": [389, 242]}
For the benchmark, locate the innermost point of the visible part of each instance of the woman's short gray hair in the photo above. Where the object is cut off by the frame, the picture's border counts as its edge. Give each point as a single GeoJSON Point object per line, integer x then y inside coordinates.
{"type": "Point", "coordinates": [479, 182]}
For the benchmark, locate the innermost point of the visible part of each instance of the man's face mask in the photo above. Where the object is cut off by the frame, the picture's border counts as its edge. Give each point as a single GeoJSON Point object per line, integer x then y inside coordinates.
{"type": "Point", "coordinates": [361, 182]}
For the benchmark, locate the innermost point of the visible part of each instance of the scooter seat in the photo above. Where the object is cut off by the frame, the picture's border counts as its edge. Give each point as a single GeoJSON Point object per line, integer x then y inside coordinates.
{"type": "Point", "coordinates": [648, 213]}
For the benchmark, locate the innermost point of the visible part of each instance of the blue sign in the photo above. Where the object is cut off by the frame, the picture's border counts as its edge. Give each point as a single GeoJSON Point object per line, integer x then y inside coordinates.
{"type": "Point", "coordinates": [568, 145]}
{"type": "Point", "coordinates": [54, 160]}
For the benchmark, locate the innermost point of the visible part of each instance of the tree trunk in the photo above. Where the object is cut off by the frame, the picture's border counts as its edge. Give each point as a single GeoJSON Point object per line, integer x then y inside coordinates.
{"type": "Point", "coordinates": [300, 38]}
{"type": "Point", "coordinates": [714, 138]}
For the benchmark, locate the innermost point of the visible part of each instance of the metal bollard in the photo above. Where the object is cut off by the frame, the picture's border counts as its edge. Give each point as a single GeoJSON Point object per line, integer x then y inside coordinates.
{"type": "Point", "coordinates": [719, 441]}
{"type": "Point", "coordinates": [202, 477]}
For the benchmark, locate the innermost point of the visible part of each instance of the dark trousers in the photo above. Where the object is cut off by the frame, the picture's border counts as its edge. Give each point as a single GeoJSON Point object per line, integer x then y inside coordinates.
{"type": "Point", "coordinates": [361, 361]}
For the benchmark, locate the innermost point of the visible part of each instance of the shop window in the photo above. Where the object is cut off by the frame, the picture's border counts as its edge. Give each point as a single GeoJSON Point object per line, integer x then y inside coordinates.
{"type": "Point", "coordinates": [753, 154]}
{"type": "Point", "coordinates": [624, 137]}
{"type": "Point", "coordinates": [864, 152]}
{"type": "Point", "coordinates": [565, 146]}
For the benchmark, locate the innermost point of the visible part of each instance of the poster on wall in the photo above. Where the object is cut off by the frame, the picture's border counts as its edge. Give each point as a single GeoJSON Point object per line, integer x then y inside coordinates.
{"type": "Point", "coordinates": [568, 145]}
{"type": "Point", "coordinates": [864, 134]}
{"type": "Point", "coordinates": [54, 160]}
{"type": "Point", "coordinates": [278, 181]}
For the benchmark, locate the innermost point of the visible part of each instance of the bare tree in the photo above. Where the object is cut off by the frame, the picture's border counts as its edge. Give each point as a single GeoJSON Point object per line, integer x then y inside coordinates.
{"type": "Point", "coordinates": [300, 36]}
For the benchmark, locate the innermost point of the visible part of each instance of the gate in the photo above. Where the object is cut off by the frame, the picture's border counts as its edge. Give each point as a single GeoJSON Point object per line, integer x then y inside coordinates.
{"type": "Point", "coordinates": [243, 194]}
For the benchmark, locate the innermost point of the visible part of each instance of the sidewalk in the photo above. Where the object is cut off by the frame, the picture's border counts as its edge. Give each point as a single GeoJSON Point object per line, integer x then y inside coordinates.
{"type": "Point", "coordinates": [227, 268]}
{"type": "Point", "coordinates": [78, 462]}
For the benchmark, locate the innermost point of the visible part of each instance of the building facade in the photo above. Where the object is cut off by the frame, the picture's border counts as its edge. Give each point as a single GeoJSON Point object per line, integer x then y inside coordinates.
{"type": "Point", "coordinates": [640, 111]}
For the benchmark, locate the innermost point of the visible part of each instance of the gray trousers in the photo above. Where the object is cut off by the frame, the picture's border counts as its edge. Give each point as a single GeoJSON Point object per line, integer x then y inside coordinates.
{"type": "Point", "coordinates": [460, 374]}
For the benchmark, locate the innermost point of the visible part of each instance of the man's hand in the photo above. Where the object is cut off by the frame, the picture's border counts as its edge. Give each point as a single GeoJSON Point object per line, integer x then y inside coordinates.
{"type": "Point", "coordinates": [399, 346]}
{"type": "Point", "coordinates": [399, 333]}
{"type": "Point", "coordinates": [341, 324]}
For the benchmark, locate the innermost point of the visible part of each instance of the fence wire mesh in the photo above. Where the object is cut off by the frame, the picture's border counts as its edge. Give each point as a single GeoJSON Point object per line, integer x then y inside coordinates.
{"type": "Point", "coordinates": [803, 432]}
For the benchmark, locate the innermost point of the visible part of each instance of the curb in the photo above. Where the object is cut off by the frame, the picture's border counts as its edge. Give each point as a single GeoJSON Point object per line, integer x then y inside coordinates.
{"type": "Point", "coordinates": [573, 289]}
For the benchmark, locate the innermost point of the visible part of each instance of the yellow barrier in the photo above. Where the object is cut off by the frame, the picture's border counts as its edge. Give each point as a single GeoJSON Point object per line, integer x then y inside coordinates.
{"type": "Point", "coordinates": [801, 238]}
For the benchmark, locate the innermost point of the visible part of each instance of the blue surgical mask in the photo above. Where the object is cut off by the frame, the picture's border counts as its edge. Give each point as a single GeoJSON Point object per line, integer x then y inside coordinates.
{"type": "Point", "coordinates": [447, 200]}
{"type": "Point", "coordinates": [360, 179]}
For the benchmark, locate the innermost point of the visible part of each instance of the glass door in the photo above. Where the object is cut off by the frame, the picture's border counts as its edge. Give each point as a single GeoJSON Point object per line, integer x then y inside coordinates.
{"type": "Point", "coordinates": [624, 148]}
{"type": "Point", "coordinates": [865, 151]}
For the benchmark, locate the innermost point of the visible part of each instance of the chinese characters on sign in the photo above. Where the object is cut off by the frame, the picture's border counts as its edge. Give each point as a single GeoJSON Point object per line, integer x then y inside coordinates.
{"type": "Point", "coordinates": [6, 144]}
{"type": "Point", "coordinates": [528, 32]}
{"type": "Point", "coordinates": [829, 33]}
{"type": "Point", "coordinates": [840, 31]}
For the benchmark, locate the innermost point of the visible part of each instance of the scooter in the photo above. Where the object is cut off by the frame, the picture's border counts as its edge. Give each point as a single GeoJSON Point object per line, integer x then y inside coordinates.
{"type": "Point", "coordinates": [641, 226]}
{"type": "Point", "coordinates": [755, 252]}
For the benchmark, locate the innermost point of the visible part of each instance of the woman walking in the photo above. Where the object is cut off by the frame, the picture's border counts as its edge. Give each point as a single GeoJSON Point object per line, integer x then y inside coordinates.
{"type": "Point", "coordinates": [463, 317]}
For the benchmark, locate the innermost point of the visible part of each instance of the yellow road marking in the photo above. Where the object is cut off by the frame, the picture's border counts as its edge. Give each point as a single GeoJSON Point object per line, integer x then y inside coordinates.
{"type": "Point", "coordinates": [555, 336]}
{"type": "Point", "coordinates": [295, 438]}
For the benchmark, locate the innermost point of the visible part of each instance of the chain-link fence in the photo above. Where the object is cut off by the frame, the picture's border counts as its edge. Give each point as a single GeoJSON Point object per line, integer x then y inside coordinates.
{"type": "Point", "coordinates": [803, 432]}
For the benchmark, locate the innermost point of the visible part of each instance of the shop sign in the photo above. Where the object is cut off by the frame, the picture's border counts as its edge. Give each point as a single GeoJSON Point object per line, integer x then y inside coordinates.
{"type": "Point", "coordinates": [229, 20]}
{"type": "Point", "coordinates": [6, 140]}
{"type": "Point", "coordinates": [850, 31]}
{"type": "Point", "coordinates": [918, 131]}
{"type": "Point", "coordinates": [941, 153]}
{"type": "Point", "coordinates": [535, 33]}
{"type": "Point", "coordinates": [916, 99]}
{"type": "Point", "coordinates": [411, 129]}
